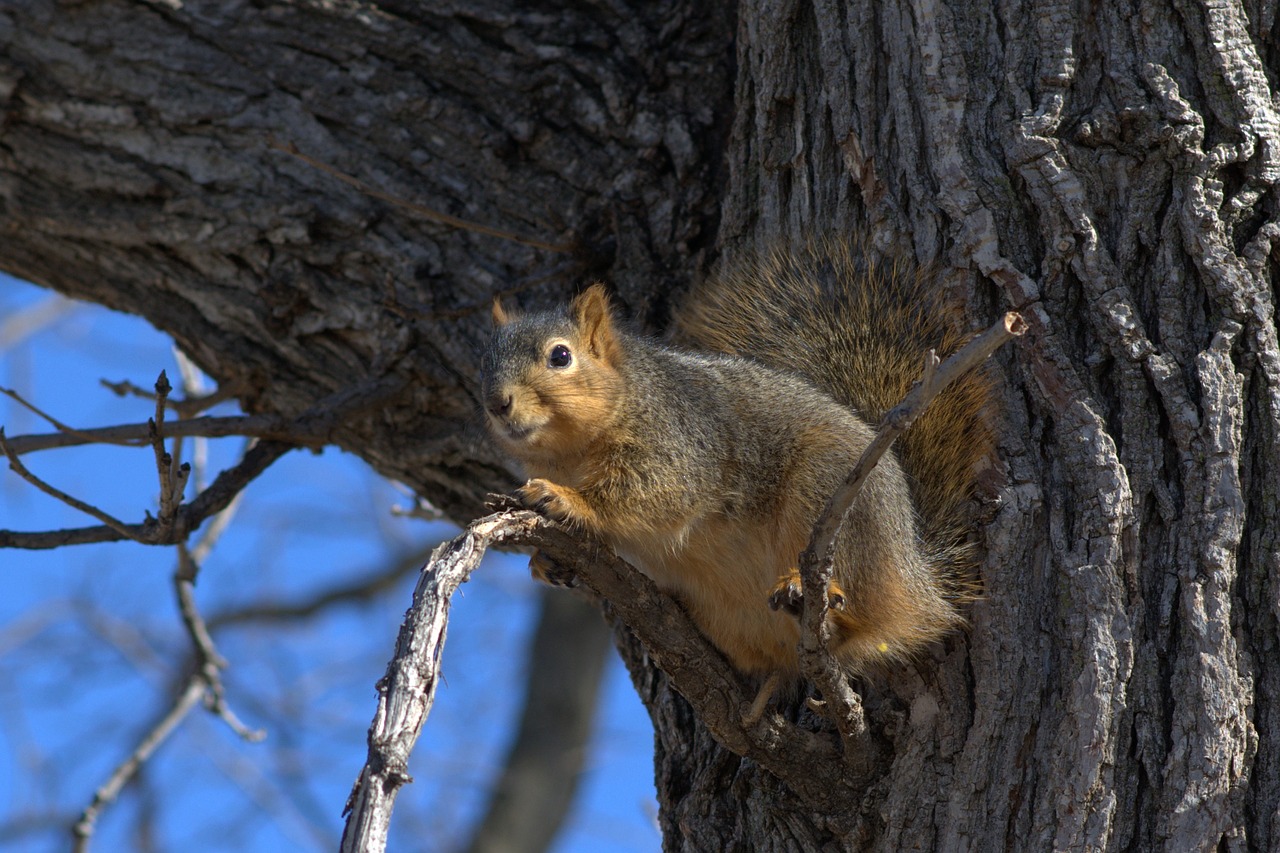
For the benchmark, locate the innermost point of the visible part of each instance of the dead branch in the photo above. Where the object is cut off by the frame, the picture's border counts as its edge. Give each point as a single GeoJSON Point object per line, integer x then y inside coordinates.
{"type": "Point", "coordinates": [310, 429]}
{"type": "Point", "coordinates": [35, 410]}
{"type": "Point", "coordinates": [717, 692]}
{"type": "Point", "coordinates": [138, 435]}
{"type": "Point", "coordinates": [209, 663]}
{"type": "Point", "coordinates": [150, 532]}
{"type": "Point", "coordinates": [172, 473]}
{"type": "Point", "coordinates": [188, 407]}
{"type": "Point", "coordinates": [18, 468]}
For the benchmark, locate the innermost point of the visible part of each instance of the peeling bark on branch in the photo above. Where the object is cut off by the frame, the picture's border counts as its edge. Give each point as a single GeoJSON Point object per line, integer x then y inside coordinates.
{"type": "Point", "coordinates": [809, 763]}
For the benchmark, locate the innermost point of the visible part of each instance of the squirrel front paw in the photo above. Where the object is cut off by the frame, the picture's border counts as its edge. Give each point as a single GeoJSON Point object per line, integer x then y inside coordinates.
{"type": "Point", "coordinates": [559, 503]}
{"type": "Point", "coordinates": [544, 496]}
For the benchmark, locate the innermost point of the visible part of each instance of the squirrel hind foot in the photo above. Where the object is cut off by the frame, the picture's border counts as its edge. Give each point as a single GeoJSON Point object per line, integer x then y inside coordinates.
{"type": "Point", "coordinates": [544, 569]}
{"type": "Point", "coordinates": [788, 594]}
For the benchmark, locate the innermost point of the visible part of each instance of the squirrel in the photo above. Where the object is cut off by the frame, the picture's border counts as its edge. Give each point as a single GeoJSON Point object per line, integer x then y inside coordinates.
{"type": "Point", "coordinates": [705, 461]}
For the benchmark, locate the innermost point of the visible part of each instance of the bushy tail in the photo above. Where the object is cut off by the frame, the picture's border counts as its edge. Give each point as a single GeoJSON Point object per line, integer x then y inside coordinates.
{"type": "Point", "coordinates": [859, 330]}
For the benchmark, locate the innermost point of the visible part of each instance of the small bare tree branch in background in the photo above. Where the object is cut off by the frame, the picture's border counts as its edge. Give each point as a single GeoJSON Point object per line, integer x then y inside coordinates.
{"type": "Point", "coordinates": [175, 523]}
{"type": "Point", "coordinates": [309, 429]}
{"type": "Point", "coordinates": [205, 680]}
{"type": "Point", "coordinates": [23, 324]}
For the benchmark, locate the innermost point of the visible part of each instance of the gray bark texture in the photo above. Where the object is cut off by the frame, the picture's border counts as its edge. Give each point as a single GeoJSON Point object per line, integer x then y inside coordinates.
{"type": "Point", "coordinates": [1109, 170]}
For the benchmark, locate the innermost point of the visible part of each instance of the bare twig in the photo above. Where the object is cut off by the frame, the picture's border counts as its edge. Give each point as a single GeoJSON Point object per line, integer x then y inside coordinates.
{"type": "Point", "coordinates": [138, 435]}
{"type": "Point", "coordinates": [184, 578]}
{"type": "Point", "coordinates": [421, 210]}
{"type": "Point", "coordinates": [16, 465]}
{"type": "Point", "coordinates": [173, 476]}
{"type": "Point", "coordinates": [842, 705]}
{"type": "Point", "coordinates": [150, 532]}
{"type": "Point", "coordinates": [188, 407]}
{"type": "Point", "coordinates": [311, 427]}
{"type": "Point", "coordinates": [62, 428]}
{"type": "Point", "coordinates": [209, 663]}
{"type": "Point", "coordinates": [105, 795]}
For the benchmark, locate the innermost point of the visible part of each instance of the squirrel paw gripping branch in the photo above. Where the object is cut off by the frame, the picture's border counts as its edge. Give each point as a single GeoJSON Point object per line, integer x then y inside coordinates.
{"type": "Point", "coordinates": [707, 467]}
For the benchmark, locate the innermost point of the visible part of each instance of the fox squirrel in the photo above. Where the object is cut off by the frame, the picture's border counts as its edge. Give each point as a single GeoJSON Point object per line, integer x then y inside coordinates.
{"type": "Point", "coordinates": [708, 468]}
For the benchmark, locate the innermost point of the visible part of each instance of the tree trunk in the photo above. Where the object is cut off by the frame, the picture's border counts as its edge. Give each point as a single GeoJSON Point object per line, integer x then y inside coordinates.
{"type": "Point", "coordinates": [1108, 170]}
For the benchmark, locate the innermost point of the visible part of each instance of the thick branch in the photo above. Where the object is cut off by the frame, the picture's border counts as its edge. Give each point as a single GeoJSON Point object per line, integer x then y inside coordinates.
{"type": "Point", "coordinates": [806, 762]}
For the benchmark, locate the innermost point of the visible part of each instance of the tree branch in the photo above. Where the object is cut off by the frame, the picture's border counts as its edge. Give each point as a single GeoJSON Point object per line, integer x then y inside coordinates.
{"type": "Point", "coordinates": [105, 795]}
{"type": "Point", "coordinates": [186, 407]}
{"type": "Point", "coordinates": [217, 497]}
{"type": "Point", "coordinates": [271, 427]}
{"type": "Point", "coordinates": [209, 663]}
{"type": "Point", "coordinates": [123, 530]}
{"type": "Point", "coordinates": [173, 476]}
{"type": "Point", "coordinates": [311, 427]}
{"type": "Point", "coordinates": [696, 668]}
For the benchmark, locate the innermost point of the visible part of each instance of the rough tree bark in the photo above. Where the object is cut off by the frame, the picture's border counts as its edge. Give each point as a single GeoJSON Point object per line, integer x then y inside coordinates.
{"type": "Point", "coordinates": [1109, 170]}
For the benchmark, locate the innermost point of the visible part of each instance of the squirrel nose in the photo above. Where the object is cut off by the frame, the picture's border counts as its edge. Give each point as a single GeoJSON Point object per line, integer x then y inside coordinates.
{"type": "Point", "coordinates": [499, 406]}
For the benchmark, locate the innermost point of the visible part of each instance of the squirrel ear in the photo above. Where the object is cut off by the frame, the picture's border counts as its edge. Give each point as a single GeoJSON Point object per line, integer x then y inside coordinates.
{"type": "Point", "coordinates": [594, 316]}
{"type": "Point", "coordinates": [500, 315]}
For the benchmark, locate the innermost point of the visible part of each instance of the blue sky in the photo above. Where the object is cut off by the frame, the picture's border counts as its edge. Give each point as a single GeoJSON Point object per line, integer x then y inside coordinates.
{"type": "Point", "coordinates": [90, 642]}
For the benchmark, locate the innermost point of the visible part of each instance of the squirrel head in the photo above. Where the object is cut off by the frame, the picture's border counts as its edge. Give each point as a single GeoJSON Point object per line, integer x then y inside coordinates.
{"type": "Point", "coordinates": [551, 382]}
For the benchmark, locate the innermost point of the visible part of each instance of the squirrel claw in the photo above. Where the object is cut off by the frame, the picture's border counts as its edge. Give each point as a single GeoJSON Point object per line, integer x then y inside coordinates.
{"type": "Point", "coordinates": [550, 572]}
{"type": "Point", "coordinates": [787, 596]}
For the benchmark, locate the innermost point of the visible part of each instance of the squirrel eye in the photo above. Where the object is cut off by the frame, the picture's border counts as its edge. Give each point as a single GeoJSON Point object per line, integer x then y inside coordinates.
{"type": "Point", "coordinates": [560, 356]}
